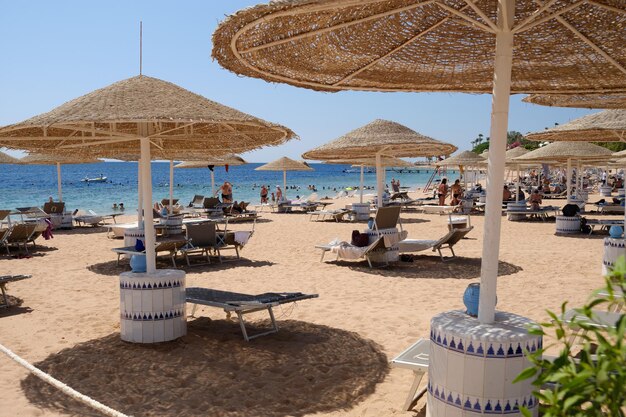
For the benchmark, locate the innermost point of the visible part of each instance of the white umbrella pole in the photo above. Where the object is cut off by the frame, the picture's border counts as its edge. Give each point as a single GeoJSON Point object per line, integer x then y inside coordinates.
{"type": "Point", "coordinates": [361, 186]}
{"type": "Point", "coordinates": [568, 183]}
{"type": "Point", "coordinates": [284, 184]}
{"type": "Point", "coordinates": [146, 179]}
{"type": "Point", "coordinates": [517, 186]}
{"type": "Point", "coordinates": [140, 194]}
{"type": "Point", "coordinates": [171, 185]}
{"type": "Point", "coordinates": [213, 182]}
{"type": "Point", "coordinates": [379, 179]}
{"type": "Point", "coordinates": [59, 182]}
{"type": "Point", "coordinates": [495, 170]}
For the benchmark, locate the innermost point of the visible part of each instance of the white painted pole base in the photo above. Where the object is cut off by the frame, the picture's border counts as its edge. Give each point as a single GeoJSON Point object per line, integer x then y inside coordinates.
{"type": "Point", "coordinates": [60, 188]}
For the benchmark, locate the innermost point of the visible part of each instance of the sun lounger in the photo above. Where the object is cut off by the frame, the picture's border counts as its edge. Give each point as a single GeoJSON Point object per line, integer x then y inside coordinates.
{"type": "Point", "coordinates": [600, 319]}
{"type": "Point", "coordinates": [337, 215]}
{"type": "Point", "coordinates": [4, 280]}
{"type": "Point", "coordinates": [415, 358]}
{"type": "Point", "coordinates": [171, 246]}
{"type": "Point", "coordinates": [543, 213]}
{"type": "Point", "coordinates": [610, 208]}
{"type": "Point", "coordinates": [20, 234]}
{"type": "Point", "coordinates": [430, 209]}
{"type": "Point", "coordinates": [196, 201]}
{"type": "Point", "coordinates": [241, 304]}
{"type": "Point", "coordinates": [346, 250]}
{"type": "Point", "coordinates": [84, 218]}
{"type": "Point", "coordinates": [603, 225]}
{"type": "Point", "coordinates": [562, 194]}
{"type": "Point", "coordinates": [446, 242]}
{"type": "Point", "coordinates": [203, 238]}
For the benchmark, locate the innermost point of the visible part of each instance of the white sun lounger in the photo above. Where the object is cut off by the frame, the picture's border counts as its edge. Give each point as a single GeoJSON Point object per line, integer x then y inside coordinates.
{"type": "Point", "coordinates": [415, 358]}
{"type": "Point", "coordinates": [447, 241]}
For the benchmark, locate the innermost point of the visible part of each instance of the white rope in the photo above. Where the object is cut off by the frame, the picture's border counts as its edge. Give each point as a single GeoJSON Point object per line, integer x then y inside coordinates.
{"type": "Point", "coordinates": [61, 386]}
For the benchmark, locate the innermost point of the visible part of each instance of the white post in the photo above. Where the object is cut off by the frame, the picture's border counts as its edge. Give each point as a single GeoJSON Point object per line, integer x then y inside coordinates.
{"type": "Point", "coordinates": [284, 184]}
{"type": "Point", "coordinates": [495, 169]}
{"type": "Point", "coordinates": [171, 186]}
{"type": "Point", "coordinates": [379, 179]}
{"type": "Point", "coordinates": [361, 186]}
{"type": "Point", "coordinates": [146, 179]}
{"type": "Point", "coordinates": [140, 194]}
{"type": "Point", "coordinates": [517, 186]}
{"type": "Point", "coordinates": [212, 182]}
{"type": "Point", "coordinates": [60, 189]}
{"type": "Point", "coordinates": [568, 182]}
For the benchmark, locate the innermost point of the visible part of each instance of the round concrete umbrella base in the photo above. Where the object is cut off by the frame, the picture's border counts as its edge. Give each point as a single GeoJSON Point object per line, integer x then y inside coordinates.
{"type": "Point", "coordinates": [472, 365]}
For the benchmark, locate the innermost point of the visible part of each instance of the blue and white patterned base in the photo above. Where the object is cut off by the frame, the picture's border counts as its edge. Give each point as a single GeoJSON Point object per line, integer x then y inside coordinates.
{"type": "Point", "coordinates": [152, 306]}
{"type": "Point", "coordinates": [473, 365]}
{"type": "Point", "coordinates": [613, 249]}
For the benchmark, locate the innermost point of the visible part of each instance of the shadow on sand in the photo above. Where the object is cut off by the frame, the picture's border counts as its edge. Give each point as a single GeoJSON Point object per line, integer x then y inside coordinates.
{"type": "Point", "coordinates": [14, 308]}
{"type": "Point", "coordinates": [111, 268]}
{"type": "Point", "coordinates": [431, 267]}
{"type": "Point", "coordinates": [302, 369]}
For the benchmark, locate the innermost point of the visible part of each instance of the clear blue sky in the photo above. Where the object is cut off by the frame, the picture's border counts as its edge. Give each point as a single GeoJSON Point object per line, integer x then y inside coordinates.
{"type": "Point", "coordinates": [53, 51]}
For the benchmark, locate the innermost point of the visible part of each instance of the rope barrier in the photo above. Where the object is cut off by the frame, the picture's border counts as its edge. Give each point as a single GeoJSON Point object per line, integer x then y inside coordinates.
{"type": "Point", "coordinates": [61, 386]}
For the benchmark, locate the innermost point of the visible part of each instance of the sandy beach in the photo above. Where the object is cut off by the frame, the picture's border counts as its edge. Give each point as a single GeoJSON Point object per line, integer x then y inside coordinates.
{"type": "Point", "coordinates": [330, 357]}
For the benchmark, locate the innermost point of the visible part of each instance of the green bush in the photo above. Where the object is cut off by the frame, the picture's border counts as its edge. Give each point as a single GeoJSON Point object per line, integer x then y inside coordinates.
{"type": "Point", "coordinates": [587, 378]}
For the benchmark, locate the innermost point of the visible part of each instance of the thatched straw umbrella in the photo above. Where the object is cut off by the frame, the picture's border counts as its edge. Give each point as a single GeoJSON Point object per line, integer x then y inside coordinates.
{"type": "Point", "coordinates": [385, 161]}
{"type": "Point", "coordinates": [146, 116]}
{"type": "Point", "coordinates": [568, 152]}
{"type": "Point", "coordinates": [589, 101]}
{"type": "Point", "coordinates": [7, 159]}
{"type": "Point", "coordinates": [284, 164]}
{"type": "Point", "coordinates": [377, 139]}
{"type": "Point", "coordinates": [58, 160]}
{"type": "Point", "coordinates": [437, 45]}
{"type": "Point", "coordinates": [463, 160]}
{"type": "Point", "coordinates": [221, 161]}
{"type": "Point", "coordinates": [605, 126]}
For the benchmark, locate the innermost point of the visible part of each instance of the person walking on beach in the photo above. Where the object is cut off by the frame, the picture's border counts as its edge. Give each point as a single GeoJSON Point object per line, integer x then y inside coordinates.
{"type": "Point", "coordinates": [442, 191]}
{"type": "Point", "coordinates": [227, 192]}
{"type": "Point", "coordinates": [279, 194]}
{"type": "Point", "coordinates": [263, 194]}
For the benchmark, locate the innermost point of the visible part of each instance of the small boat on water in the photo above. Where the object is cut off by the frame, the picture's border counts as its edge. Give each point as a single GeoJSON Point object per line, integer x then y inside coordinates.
{"type": "Point", "coordinates": [101, 178]}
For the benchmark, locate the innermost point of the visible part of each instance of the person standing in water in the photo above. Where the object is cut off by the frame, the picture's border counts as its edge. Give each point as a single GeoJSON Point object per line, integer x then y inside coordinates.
{"type": "Point", "coordinates": [227, 192]}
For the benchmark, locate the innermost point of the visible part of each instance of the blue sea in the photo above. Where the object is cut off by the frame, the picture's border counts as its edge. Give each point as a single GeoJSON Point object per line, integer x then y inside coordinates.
{"type": "Point", "coordinates": [32, 185]}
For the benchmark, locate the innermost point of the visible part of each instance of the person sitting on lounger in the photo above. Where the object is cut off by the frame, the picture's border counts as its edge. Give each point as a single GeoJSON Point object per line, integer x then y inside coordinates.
{"type": "Point", "coordinates": [506, 194]}
{"type": "Point", "coordinates": [535, 200]}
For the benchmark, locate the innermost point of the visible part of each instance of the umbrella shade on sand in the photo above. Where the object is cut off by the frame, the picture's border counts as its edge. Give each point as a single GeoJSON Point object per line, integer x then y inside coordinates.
{"type": "Point", "coordinates": [284, 164]}
{"type": "Point", "coordinates": [378, 139]}
{"type": "Point", "coordinates": [8, 159]}
{"type": "Point", "coordinates": [484, 46]}
{"type": "Point", "coordinates": [588, 101]}
{"type": "Point", "coordinates": [221, 161]}
{"type": "Point", "coordinates": [148, 117]}
{"type": "Point", "coordinates": [385, 161]}
{"type": "Point", "coordinates": [58, 160]}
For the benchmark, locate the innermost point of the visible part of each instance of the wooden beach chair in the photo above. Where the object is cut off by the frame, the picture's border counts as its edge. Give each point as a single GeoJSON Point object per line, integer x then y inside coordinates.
{"type": "Point", "coordinates": [20, 234]}
{"type": "Point", "coordinates": [242, 304]}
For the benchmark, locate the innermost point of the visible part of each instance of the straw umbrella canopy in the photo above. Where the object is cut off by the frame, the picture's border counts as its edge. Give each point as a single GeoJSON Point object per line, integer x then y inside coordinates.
{"type": "Point", "coordinates": [605, 126]}
{"type": "Point", "coordinates": [209, 163]}
{"type": "Point", "coordinates": [7, 159]}
{"type": "Point", "coordinates": [377, 139]}
{"type": "Point", "coordinates": [284, 164]}
{"type": "Point", "coordinates": [463, 159]}
{"type": "Point", "coordinates": [146, 116]}
{"type": "Point", "coordinates": [589, 101]}
{"type": "Point", "coordinates": [58, 160]}
{"type": "Point", "coordinates": [485, 46]}
{"type": "Point", "coordinates": [386, 161]}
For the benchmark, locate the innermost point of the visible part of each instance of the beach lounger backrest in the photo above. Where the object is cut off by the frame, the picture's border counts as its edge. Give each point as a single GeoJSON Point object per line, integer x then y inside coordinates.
{"type": "Point", "coordinates": [166, 201]}
{"type": "Point", "coordinates": [387, 217]}
{"type": "Point", "coordinates": [210, 202]}
{"type": "Point", "coordinates": [4, 214]}
{"type": "Point", "coordinates": [21, 232]}
{"type": "Point", "coordinates": [197, 200]}
{"type": "Point", "coordinates": [452, 237]}
{"type": "Point", "coordinates": [202, 235]}
{"type": "Point", "coordinates": [52, 208]}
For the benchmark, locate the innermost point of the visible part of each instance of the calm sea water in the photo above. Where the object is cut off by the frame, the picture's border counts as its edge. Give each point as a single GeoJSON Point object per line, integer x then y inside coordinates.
{"type": "Point", "coordinates": [31, 185]}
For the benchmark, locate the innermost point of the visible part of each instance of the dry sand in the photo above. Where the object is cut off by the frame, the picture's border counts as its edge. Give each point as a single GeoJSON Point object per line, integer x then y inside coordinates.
{"type": "Point", "coordinates": [330, 356]}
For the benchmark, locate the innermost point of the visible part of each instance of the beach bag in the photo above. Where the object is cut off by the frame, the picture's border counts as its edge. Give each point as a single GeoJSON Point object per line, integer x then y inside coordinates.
{"type": "Point", "coordinates": [570, 210]}
{"type": "Point", "coordinates": [360, 239]}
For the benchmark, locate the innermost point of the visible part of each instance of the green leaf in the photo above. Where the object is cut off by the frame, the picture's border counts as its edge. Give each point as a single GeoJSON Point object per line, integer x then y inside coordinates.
{"type": "Point", "coordinates": [526, 374]}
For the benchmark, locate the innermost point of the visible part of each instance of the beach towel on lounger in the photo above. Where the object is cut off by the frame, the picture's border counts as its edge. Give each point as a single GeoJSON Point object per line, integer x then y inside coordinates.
{"type": "Point", "coordinates": [346, 250]}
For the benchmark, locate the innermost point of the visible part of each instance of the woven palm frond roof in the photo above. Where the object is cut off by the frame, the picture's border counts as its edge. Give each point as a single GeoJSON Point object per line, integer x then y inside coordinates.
{"type": "Point", "coordinates": [111, 119]}
{"type": "Point", "coordinates": [605, 126]}
{"type": "Point", "coordinates": [462, 159]}
{"type": "Point", "coordinates": [386, 161]}
{"type": "Point", "coordinates": [390, 138]}
{"type": "Point", "coordinates": [564, 46]}
{"type": "Point", "coordinates": [52, 159]}
{"type": "Point", "coordinates": [284, 164]}
{"type": "Point", "coordinates": [220, 161]}
{"type": "Point", "coordinates": [562, 151]}
{"type": "Point", "coordinates": [7, 159]}
{"type": "Point", "coordinates": [589, 101]}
